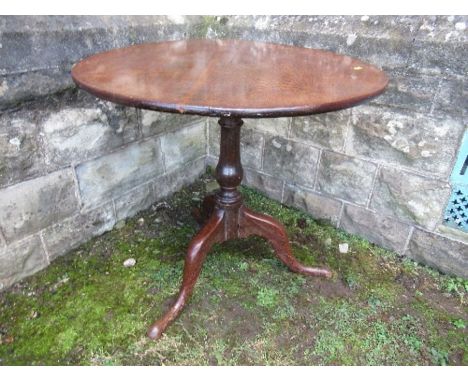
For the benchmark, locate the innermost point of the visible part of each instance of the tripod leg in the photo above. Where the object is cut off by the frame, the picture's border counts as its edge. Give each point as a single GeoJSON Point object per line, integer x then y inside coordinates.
{"type": "Point", "coordinates": [210, 234]}
{"type": "Point", "coordinates": [253, 223]}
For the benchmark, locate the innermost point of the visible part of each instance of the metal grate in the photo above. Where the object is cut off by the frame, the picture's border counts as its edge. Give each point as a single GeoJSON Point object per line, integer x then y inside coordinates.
{"type": "Point", "coordinates": [456, 213]}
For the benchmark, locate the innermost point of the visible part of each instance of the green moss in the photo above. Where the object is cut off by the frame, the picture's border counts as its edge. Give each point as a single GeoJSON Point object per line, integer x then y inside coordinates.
{"type": "Point", "coordinates": [213, 24]}
{"type": "Point", "coordinates": [247, 308]}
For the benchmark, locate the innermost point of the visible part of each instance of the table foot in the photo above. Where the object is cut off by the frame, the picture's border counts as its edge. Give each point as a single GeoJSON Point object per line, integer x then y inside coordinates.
{"type": "Point", "coordinates": [196, 253]}
{"type": "Point", "coordinates": [253, 223]}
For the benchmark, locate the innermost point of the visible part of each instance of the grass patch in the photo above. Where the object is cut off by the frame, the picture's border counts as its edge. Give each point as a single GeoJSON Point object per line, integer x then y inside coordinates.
{"type": "Point", "coordinates": [86, 308]}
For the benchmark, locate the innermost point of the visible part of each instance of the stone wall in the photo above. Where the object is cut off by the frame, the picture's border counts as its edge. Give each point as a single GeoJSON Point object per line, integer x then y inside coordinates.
{"type": "Point", "coordinates": [379, 170]}
{"type": "Point", "coordinates": [72, 165]}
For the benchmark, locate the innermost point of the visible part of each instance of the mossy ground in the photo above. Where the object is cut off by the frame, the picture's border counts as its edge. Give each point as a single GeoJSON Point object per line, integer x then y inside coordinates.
{"type": "Point", "coordinates": [247, 308]}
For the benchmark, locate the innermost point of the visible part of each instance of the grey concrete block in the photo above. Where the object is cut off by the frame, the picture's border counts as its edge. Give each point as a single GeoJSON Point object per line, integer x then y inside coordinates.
{"type": "Point", "coordinates": [21, 154]}
{"type": "Point", "coordinates": [319, 206]}
{"type": "Point", "coordinates": [326, 130]}
{"type": "Point", "coordinates": [113, 175]}
{"type": "Point", "coordinates": [21, 259]}
{"type": "Point", "coordinates": [183, 145]}
{"type": "Point", "coordinates": [291, 161]}
{"type": "Point", "coordinates": [252, 143]}
{"type": "Point", "coordinates": [137, 199]}
{"type": "Point", "coordinates": [69, 233]}
{"type": "Point", "coordinates": [154, 122]}
{"type": "Point", "coordinates": [450, 256]}
{"type": "Point", "coordinates": [268, 185]}
{"type": "Point", "coordinates": [30, 206]}
{"type": "Point", "coordinates": [410, 197]}
{"type": "Point", "coordinates": [383, 231]}
{"type": "Point", "coordinates": [345, 177]}
{"type": "Point", "coordinates": [75, 134]}
{"type": "Point", "coordinates": [406, 139]}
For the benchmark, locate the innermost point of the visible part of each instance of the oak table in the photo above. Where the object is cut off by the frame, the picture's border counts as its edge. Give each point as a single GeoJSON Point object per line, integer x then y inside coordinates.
{"type": "Point", "coordinates": [231, 80]}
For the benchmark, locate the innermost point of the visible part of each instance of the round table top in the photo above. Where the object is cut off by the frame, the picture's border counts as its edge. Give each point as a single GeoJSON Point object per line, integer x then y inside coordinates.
{"type": "Point", "coordinates": [229, 78]}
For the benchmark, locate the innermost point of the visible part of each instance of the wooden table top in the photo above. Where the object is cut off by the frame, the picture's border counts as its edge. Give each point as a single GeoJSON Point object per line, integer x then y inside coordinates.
{"type": "Point", "coordinates": [229, 78]}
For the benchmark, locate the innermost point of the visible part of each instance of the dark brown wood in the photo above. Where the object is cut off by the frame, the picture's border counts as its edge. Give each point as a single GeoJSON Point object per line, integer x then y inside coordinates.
{"type": "Point", "coordinates": [229, 78]}
{"type": "Point", "coordinates": [210, 234]}
{"type": "Point", "coordinates": [230, 219]}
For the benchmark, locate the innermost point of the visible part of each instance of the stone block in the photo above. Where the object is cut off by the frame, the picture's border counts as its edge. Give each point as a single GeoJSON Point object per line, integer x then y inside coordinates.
{"type": "Point", "coordinates": [450, 256]}
{"type": "Point", "coordinates": [319, 206]}
{"type": "Point", "coordinates": [272, 126]}
{"type": "Point", "coordinates": [452, 98]}
{"type": "Point", "coordinates": [252, 144]}
{"type": "Point", "coordinates": [396, 27]}
{"type": "Point", "coordinates": [438, 57]}
{"type": "Point", "coordinates": [268, 185]}
{"type": "Point", "coordinates": [137, 199]}
{"type": "Point", "coordinates": [113, 175]}
{"type": "Point", "coordinates": [75, 134]}
{"type": "Point", "coordinates": [407, 139]}
{"type": "Point", "coordinates": [2, 239]}
{"type": "Point", "coordinates": [386, 53]}
{"type": "Point", "coordinates": [409, 197]}
{"type": "Point", "coordinates": [183, 145]}
{"type": "Point", "coordinates": [77, 229]}
{"type": "Point", "coordinates": [77, 23]}
{"type": "Point", "coordinates": [21, 154]}
{"type": "Point", "coordinates": [211, 161]}
{"type": "Point", "coordinates": [21, 259]}
{"type": "Point", "coordinates": [408, 91]}
{"type": "Point", "coordinates": [154, 122]}
{"type": "Point", "coordinates": [345, 177]}
{"type": "Point", "coordinates": [442, 28]}
{"type": "Point", "coordinates": [171, 182]}
{"type": "Point", "coordinates": [327, 130]}
{"type": "Point", "coordinates": [383, 231]}
{"type": "Point", "coordinates": [30, 206]}
{"type": "Point", "coordinates": [25, 86]}
{"type": "Point", "coordinates": [59, 47]}
{"type": "Point", "coordinates": [291, 161]}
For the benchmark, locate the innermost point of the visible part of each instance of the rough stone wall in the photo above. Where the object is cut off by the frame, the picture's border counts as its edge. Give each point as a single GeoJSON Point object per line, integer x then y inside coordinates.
{"type": "Point", "coordinates": [72, 165]}
{"type": "Point", "coordinates": [379, 170]}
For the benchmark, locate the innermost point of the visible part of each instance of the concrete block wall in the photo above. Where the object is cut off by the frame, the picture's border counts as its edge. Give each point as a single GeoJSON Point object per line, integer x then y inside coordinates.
{"type": "Point", "coordinates": [72, 165]}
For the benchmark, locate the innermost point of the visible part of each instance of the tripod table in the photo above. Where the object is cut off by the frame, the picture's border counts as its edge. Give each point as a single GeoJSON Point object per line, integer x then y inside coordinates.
{"type": "Point", "coordinates": [231, 80]}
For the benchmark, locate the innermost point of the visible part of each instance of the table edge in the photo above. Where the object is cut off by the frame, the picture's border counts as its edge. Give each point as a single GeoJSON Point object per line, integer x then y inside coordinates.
{"type": "Point", "coordinates": [209, 111]}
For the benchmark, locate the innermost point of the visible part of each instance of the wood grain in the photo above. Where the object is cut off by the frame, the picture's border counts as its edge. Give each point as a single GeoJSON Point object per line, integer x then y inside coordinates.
{"type": "Point", "coordinates": [229, 78]}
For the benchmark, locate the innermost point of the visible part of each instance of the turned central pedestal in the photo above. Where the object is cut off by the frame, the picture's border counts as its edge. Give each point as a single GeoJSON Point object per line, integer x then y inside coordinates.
{"type": "Point", "coordinates": [227, 218]}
